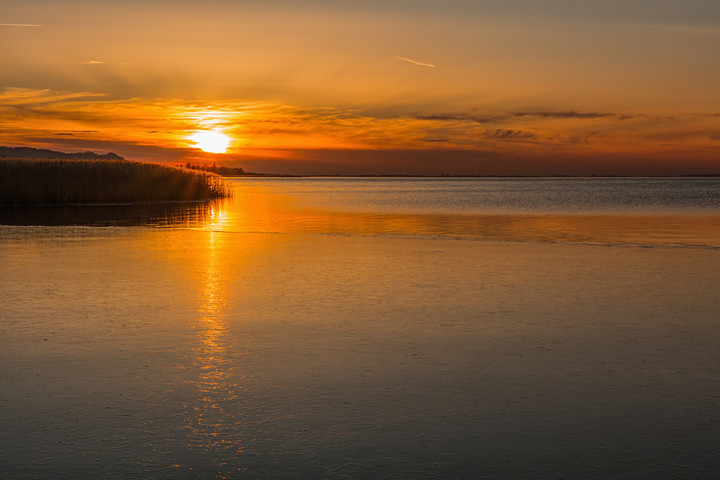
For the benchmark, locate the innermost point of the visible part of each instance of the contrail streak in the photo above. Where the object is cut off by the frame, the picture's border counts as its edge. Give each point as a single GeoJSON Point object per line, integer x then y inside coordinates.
{"type": "Point", "coordinates": [415, 62]}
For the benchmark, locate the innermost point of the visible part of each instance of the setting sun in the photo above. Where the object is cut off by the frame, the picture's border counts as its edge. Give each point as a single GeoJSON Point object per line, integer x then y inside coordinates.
{"type": "Point", "coordinates": [211, 141]}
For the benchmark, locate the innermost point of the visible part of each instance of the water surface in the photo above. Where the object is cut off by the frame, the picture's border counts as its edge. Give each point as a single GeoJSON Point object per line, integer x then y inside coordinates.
{"type": "Point", "coordinates": [505, 195]}
{"type": "Point", "coordinates": [627, 211]}
{"type": "Point", "coordinates": [321, 328]}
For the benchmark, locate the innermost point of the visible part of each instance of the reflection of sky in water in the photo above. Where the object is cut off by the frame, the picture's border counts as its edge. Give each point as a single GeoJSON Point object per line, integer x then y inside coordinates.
{"type": "Point", "coordinates": [351, 207]}
{"type": "Point", "coordinates": [506, 195]}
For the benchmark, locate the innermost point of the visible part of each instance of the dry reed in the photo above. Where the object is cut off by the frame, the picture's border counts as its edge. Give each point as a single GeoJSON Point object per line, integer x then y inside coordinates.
{"type": "Point", "coordinates": [61, 181]}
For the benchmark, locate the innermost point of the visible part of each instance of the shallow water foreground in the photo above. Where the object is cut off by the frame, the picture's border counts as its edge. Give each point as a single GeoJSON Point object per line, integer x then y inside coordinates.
{"type": "Point", "coordinates": [207, 351]}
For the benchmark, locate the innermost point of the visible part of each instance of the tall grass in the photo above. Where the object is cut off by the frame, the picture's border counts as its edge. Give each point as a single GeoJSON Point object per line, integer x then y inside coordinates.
{"type": "Point", "coordinates": [53, 181]}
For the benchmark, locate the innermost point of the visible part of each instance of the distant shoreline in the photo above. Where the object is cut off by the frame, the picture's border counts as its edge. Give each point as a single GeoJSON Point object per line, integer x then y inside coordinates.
{"type": "Point", "coordinates": [7, 153]}
{"type": "Point", "coordinates": [279, 175]}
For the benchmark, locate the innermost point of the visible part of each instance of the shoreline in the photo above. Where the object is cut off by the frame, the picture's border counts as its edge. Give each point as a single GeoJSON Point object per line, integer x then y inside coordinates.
{"type": "Point", "coordinates": [279, 175]}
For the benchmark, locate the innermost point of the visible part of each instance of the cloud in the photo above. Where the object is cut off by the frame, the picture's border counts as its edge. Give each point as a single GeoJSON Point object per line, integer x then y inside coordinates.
{"type": "Point", "coordinates": [509, 134]}
{"type": "Point", "coordinates": [415, 62]}
{"type": "Point", "coordinates": [19, 25]}
{"type": "Point", "coordinates": [582, 139]}
{"type": "Point", "coordinates": [29, 96]}
{"type": "Point", "coordinates": [90, 62]}
{"type": "Point", "coordinates": [563, 114]}
{"type": "Point", "coordinates": [688, 29]}
{"type": "Point", "coordinates": [74, 132]}
{"type": "Point", "coordinates": [457, 117]}
{"type": "Point", "coordinates": [540, 114]}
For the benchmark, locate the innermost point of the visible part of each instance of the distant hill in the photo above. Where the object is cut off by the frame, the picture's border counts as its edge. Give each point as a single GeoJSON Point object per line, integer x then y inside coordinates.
{"type": "Point", "coordinates": [29, 152]}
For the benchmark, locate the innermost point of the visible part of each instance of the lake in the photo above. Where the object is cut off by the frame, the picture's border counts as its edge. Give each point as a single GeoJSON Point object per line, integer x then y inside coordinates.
{"type": "Point", "coordinates": [367, 328]}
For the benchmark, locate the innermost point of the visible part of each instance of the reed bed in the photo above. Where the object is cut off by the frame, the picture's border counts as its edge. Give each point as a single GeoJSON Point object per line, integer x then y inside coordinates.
{"type": "Point", "coordinates": [61, 181]}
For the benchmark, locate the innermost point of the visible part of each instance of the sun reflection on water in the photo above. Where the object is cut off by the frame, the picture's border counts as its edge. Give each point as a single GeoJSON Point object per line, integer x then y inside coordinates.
{"type": "Point", "coordinates": [211, 419]}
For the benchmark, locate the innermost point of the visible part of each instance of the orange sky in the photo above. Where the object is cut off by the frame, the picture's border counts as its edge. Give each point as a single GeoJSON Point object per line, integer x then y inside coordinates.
{"type": "Point", "coordinates": [454, 87]}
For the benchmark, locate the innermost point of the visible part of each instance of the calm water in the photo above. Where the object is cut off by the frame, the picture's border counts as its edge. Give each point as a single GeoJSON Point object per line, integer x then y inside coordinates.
{"type": "Point", "coordinates": [651, 212]}
{"type": "Point", "coordinates": [367, 328]}
{"type": "Point", "coordinates": [507, 195]}
{"type": "Point", "coordinates": [623, 211]}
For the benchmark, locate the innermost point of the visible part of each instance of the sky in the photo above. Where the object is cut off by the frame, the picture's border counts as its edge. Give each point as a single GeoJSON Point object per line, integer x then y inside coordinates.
{"type": "Point", "coordinates": [481, 87]}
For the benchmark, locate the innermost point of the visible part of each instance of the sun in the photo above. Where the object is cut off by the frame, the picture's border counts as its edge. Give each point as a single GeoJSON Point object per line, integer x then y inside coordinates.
{"type": "Point", "coordinates": [210, 141]}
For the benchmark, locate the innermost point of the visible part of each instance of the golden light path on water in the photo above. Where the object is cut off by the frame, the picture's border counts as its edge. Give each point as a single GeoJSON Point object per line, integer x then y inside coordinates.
{"type": "Point", "coordinates": [216, 419]}
{"type": "Point", "coordinates": [219, 381]}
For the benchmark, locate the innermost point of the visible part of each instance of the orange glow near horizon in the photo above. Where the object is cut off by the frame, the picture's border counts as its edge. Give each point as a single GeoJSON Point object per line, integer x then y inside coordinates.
{"type": "Point", "coordinates": [279, 138]}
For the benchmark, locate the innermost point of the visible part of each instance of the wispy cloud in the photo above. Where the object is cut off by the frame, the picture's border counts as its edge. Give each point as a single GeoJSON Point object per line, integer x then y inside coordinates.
{"type": "Point", "coordinates": [89, 62]}
{"type": "Point", "coordinates": [75, 132]}
{"type": "Point", "coordinates": [415, 62]}
{"type": "Point", "coordinates": [458, 117]}
{"type": "Point", "coordinates": [562, 114]}
{"type": "Point", "coordinates": [679, 28]}
{"type": "Point", "coordinates": [34, 97]}
{"type": "Point", "coordinates": [20, 25]}
{"type": "Point", "coordinates": [510, 134]}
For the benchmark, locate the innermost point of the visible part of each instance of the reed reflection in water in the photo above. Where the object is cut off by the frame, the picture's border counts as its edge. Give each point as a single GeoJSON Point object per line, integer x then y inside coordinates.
{"type": "Point", "coordinates": [182, 214]}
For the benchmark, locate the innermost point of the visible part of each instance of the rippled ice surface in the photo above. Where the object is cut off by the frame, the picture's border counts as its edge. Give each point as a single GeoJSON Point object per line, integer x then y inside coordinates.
{"type": "Point", "coordinates": [279, 335]}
